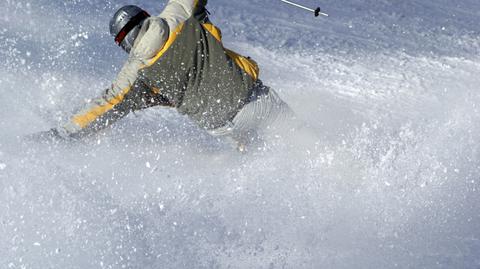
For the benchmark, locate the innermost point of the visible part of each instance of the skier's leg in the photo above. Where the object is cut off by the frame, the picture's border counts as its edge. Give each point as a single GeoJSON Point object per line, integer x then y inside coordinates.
{"type": "Point", "coordinates": [265, 115]}
{"type": "Point", "coordinates": [277, 122]}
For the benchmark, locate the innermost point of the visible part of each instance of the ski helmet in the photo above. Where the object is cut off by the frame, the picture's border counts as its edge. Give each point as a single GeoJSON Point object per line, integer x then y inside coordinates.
{"type": "Point", "coordinates": [126, 24]}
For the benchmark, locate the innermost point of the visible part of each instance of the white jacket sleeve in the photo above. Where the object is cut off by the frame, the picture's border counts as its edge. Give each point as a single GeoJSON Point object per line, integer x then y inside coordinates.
{"type": "Point", "coordinates": [104, 110]}
{"type": "Point", "coordinates": [178, 11]}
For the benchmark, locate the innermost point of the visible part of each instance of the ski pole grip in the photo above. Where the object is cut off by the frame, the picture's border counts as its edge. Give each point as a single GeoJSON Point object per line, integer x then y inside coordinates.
{"type": "Point", "coordinates": [317, 12]}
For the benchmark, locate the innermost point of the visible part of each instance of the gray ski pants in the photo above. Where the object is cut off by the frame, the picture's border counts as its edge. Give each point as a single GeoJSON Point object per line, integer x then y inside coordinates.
{"type": "Point", "coordinates": [265, 114]}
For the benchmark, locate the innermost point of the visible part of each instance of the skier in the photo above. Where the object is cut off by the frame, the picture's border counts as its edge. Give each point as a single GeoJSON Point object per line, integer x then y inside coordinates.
{"type": "Point", "coordinates": [177, 60]}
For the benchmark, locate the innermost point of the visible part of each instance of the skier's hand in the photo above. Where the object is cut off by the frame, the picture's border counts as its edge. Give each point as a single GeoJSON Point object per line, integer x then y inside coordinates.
{"type": "Point", "coordinates": [50, 136]}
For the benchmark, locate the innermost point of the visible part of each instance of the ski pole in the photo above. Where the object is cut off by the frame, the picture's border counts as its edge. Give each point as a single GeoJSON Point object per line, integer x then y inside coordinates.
{"type": "Point", "coordinates": [316, 11]}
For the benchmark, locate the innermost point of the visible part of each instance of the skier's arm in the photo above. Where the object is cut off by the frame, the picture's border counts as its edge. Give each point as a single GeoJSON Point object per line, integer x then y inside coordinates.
{"type": "Point", "coordinates": [178, 11]}
{"type": "Point", "coordinates": [114, 103]}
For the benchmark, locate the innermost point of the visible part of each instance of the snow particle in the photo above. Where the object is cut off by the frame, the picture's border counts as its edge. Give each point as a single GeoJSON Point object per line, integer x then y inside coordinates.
{"type": "Point", "coordinates": [3, 166]}
{"type": "Point", "coordinates": [113, 211]}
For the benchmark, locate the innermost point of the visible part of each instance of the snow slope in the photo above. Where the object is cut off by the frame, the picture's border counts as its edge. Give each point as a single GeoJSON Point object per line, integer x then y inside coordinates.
{"type": "Point", "coordinates": [391, 88]}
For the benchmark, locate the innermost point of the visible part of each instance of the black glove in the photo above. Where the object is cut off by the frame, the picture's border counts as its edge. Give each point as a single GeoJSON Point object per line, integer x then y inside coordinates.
{"type": "Point", "coordinates": [52, 135]}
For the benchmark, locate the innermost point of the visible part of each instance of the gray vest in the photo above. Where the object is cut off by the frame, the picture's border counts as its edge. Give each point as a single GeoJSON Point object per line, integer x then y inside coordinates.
{"type": "Point", "coordinates": [198, 77]}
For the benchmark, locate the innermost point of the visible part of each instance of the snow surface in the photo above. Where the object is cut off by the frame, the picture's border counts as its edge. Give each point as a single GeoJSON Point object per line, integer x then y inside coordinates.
{"type": "Point", "coordinates": [391, 88]}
